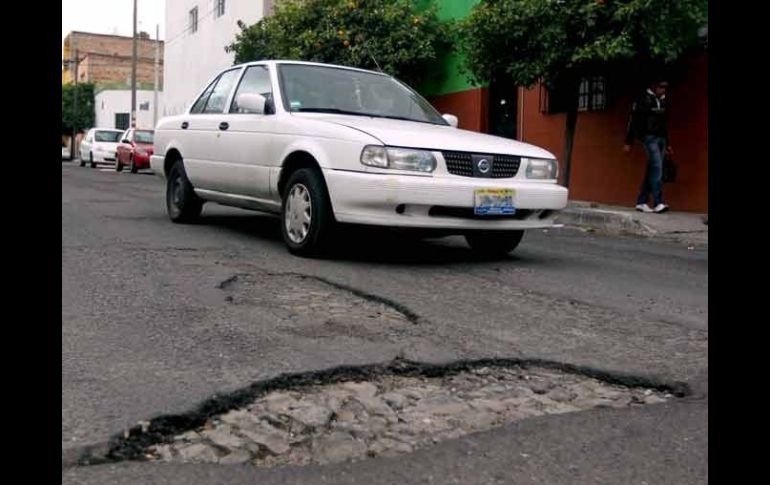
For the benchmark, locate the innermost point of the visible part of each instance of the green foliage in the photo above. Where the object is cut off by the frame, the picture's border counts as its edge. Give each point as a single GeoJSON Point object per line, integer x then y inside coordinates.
{"type": "Point", "coordinates": [541, 40]}
{"type": "Point", "coordinates": [85, 116]}
{"type": "Point", "coordinates": [403, 38]}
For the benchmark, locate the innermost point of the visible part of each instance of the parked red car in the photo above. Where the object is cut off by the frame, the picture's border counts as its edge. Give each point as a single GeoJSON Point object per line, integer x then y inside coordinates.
{"type": "Point", "coordinates": [134, 150]}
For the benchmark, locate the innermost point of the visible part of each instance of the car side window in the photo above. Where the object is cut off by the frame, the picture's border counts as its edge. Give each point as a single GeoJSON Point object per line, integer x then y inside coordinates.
{"type": "Point", "coordinates": [216, 101]}
{"type": "Point", "coordinates": [197, 107]}
{"type": "Point", "coordinates": [256, 80]}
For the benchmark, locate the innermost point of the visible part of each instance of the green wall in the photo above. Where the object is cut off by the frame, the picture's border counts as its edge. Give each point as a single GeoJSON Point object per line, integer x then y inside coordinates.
{"type": "Point", "coordinates": [450, 80]}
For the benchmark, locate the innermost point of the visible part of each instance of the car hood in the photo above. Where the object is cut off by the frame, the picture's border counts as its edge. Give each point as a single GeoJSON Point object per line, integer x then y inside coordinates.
{"type": "Point", "coordinates": [413, 134]}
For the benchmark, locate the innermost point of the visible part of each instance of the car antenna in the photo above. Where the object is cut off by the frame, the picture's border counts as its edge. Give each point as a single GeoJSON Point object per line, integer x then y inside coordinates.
{"type": "Point", "coordinates": [366, 46]}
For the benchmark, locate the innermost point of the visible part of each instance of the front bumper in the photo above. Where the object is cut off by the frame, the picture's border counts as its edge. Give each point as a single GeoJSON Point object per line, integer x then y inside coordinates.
{"type": "Point", "coordinates": [438, 202]}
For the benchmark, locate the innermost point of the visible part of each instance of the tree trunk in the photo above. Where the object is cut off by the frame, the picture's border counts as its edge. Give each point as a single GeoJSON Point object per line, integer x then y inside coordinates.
{"type": "Point", "coordinates": [569, 128]}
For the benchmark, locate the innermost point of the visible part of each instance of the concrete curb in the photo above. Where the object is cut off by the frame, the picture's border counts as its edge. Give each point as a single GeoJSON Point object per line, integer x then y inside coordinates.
{"type": "Point", "coordinates": [605, 221]}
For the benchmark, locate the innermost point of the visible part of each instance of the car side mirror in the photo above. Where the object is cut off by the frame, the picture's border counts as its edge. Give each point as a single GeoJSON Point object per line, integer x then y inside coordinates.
{"type": "Point", "coordinates": [451, 119]}
{"type": "Point", "coordinates": [251, 102]}
{"type": "Point", "coordinates": [124, 141]}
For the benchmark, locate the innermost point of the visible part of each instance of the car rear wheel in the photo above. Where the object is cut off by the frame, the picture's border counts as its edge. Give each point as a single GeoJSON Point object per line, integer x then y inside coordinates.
{"type": "Point", "coordinates": [181, 202]}
{"type": "Point", "coordinates": [306, 216]}
{"type": "Point", "coordinates": [494, 243]}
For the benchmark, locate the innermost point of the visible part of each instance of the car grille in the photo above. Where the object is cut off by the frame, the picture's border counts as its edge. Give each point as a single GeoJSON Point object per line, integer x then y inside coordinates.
{"type": "Point", "coordinates": [461, 163]}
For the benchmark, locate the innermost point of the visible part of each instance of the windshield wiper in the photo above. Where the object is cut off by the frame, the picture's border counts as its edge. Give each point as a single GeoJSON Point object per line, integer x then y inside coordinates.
{"type": "Point", "coordinates": [332, 110]}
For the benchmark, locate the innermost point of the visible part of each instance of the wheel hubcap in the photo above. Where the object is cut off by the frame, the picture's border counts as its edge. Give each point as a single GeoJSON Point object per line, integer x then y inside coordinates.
{"type": "Point", "coordinates": [297, 215]}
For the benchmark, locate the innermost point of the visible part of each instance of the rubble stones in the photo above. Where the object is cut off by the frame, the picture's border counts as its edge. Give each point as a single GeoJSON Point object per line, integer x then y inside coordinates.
{"type": "Point", "coordinates": [389, 415]}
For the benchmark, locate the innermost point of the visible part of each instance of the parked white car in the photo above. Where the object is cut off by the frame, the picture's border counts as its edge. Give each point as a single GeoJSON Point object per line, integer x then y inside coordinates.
{"type": "Point", "coordinates": [322, 144]}
{"type": "Point", "coordinates": [99, 146]}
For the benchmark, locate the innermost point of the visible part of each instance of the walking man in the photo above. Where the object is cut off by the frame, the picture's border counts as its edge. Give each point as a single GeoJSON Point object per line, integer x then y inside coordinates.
{"type": "Point", "coordinates": [648, 124]}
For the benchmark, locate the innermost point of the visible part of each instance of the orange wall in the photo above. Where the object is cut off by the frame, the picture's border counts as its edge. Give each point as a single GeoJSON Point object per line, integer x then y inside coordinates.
{"type": "Point", "coordinates": [469, 106]}
{"type": "Point", "coordinates": [601, 172]}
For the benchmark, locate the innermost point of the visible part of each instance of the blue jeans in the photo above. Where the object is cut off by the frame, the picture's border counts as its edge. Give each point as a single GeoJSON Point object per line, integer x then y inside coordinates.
{"type": "Point", "coordinates": [653, 177]}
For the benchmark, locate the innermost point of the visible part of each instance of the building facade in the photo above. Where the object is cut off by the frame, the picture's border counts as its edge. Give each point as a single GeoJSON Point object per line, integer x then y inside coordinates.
{"type": "Point", "coordinates": [601, 171]}
{"type": "Point", "coordinates": [197, 32]}
{"type": "Point", "coordinates": [105, 60]}
{"type": "Point", "coordinates": [113, 108]}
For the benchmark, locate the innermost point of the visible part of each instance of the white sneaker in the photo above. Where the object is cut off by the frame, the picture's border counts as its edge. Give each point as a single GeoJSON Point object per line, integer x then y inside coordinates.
{"type": "Point", "coordinates": [643, 208]}
{"type": "Point", "coordinates": [660, 208]}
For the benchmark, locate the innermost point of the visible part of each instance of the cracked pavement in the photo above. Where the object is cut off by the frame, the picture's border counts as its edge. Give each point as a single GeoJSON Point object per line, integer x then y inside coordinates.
{"type": "Point", "coordinates": [147, 330]}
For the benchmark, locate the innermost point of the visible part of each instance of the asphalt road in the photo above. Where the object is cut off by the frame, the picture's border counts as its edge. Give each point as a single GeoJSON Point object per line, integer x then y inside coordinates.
{"type": "Point", "coordinates": [157, 317]}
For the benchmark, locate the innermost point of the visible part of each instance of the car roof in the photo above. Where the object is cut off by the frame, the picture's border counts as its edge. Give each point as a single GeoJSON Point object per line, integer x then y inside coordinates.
{"type": "Point", "coordinates": [308, 63]}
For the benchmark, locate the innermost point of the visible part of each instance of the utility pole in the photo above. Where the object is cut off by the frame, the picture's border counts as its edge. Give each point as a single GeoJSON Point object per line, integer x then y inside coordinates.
{"type": "Point", "coordinates": [155, 93]}
{"type": "Point", "coordinates": [74, 62]}
{"type": "Point", "coordinates": [133, 76]}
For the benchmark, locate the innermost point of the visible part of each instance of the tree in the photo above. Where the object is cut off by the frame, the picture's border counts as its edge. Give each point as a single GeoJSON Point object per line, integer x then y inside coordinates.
{"type": "Point", "coordinates": [557, 42]}
{"type": "Point", "coordinates": [84, 118]}
{"type": "Point", "coordinates": [394, 35]}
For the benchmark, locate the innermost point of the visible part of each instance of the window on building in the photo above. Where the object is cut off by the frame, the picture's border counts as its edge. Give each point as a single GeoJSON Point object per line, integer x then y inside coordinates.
{"type": "Point", "coordinates": [194, 20]}
{"type": "Point", "coordinates": [219, 10]}
{"type": "Point", "coordinates": [122, 120]}
{"type": "Point", "coordinates": [256, 80]}
{"type": "Point", "coordinates": [144, 106]}
{"type": "Point", "coordinates": [592, 96]}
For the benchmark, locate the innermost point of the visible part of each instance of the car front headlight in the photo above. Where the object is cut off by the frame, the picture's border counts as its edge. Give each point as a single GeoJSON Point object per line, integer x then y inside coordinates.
{"type": "Point", "coordinates": [398, 158]}
{"type": "Point", "coordinates": [538, 168]}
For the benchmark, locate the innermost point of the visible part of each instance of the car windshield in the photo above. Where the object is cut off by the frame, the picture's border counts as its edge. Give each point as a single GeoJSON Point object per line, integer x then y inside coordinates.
{"type": "Point", "coordinates": [108, 136]}
{"type": "Point", "coordinates": [324, 89]}
{"type": "Point", "coordinates": [143, 136]}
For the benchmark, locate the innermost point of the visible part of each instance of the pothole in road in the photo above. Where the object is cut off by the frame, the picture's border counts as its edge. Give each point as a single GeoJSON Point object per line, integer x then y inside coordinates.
{"type": "Point", "coordinates": [318, 307]}
{"type": "Point", "coordinates": [388, 414]}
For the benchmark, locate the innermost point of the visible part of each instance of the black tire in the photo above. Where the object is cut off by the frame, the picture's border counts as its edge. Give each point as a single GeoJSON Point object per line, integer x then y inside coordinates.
{"type": "Point", "coordinates": [181, 202]}
{"type": "Point", "coordinates": [82, 162]}
{"type": "Point", "coordinates": [132, 165]}
{"type": "Point", "coordinates": [118, 165]}
{"type": "Point", "coordinates": [494, 244]}
{"type": "Point", "coordinates": [91, 160]}
{"type": "Point", "coordinates": [321, 224]}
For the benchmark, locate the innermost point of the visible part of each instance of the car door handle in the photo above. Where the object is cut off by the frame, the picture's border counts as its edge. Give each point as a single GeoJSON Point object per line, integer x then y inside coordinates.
{"type": "Point", "coordinates": [224, 125]}
{"type": "Point", "coordinates": [185, 125]}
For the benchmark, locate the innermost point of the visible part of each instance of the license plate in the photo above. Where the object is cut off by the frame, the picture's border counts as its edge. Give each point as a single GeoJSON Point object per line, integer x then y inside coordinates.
{"type": "Point", "coordinates": [494, 202]}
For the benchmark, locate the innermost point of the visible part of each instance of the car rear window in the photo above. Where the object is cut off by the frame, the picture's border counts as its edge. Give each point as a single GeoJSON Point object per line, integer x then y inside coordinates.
{"type": "Point", "coordinates": [143, 136]}
{"type": "Point", "coordinates": [108, 136]}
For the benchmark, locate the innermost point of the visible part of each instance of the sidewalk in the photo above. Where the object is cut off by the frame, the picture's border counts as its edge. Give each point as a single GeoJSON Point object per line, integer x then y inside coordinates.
{"type": "Point", "coordinates": [681, 226]}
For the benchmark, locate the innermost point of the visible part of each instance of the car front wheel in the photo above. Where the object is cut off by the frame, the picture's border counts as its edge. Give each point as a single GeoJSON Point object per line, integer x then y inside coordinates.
{"type": "Point", "coordinates": [306, 217]}
{"type": "Point", "coordinates": [118, 165]}
{"type": "Point", "coordinates": [494, 244]}
{"type": "Point", "coordinates": [181, 202]}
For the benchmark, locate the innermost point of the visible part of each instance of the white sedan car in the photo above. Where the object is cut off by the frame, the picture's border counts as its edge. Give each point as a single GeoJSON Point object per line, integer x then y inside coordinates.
{"type": "Point", "coordinates": [99, 146]}
{"type": "Point", "coordinates": [322, 144]}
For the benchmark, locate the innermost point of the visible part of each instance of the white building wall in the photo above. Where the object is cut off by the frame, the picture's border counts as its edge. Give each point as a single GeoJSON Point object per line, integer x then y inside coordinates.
{"type": "Point", "coordinates": [111, 101]}
{"type": "Point", "coordinates": [193, 58]}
